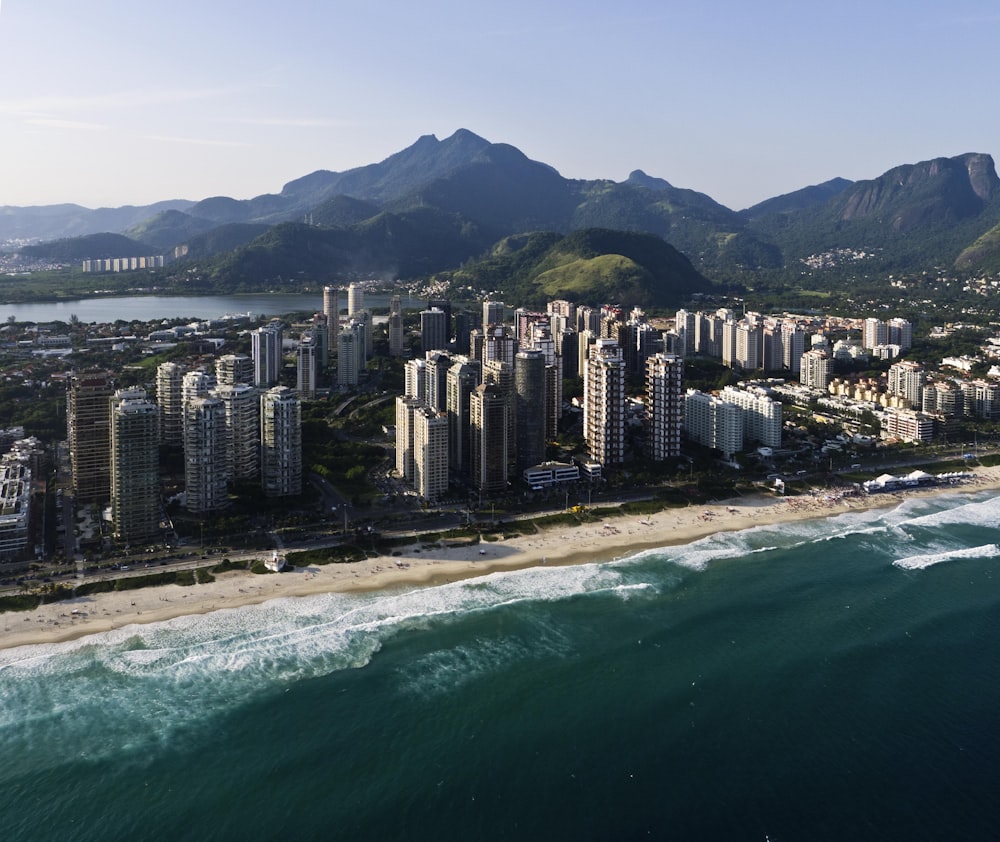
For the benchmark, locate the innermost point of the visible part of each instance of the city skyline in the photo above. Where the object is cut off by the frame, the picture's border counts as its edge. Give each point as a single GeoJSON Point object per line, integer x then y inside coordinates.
{"type": "Point", "coordinates": [108, 105]}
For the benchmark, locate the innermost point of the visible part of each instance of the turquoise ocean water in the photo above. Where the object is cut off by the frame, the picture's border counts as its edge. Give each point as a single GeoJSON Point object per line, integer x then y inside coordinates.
{"type": "Point", "coordinates": [835, 679]}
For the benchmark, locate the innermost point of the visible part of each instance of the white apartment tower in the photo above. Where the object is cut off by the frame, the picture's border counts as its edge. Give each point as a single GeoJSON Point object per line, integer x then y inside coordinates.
{"type": "Point", "coordinates": [231, 369]}
{"type": "Point", "coordinates": [664, 405]}
{"type": "Point", "coordinates": [430, 453]}
{"type": "Point", "coordinates": [604, 403]}
{"type": "Point", "coordinates": [169, 397]}
{"type": "Point", "coordinates": [816, 369]}
{"type": "Point", "coordinates": [280, 442]}
{"type": "Point", "coordinates": [762, 419]}
{"type": "Point", "coordinates": [405, 408]}
{"type": "Point", "coordinates": [308, 357]}
{"type": "Point", "coordinates": [266, 349]}
{"type": "Point", "coordinates": [205, 447]}
{"type": "Point", "coordinates": [713, 422]}
{"type": "Point", "coordinates": [241, 404]}
{"type": "Point", "coordinates": [907, 378]}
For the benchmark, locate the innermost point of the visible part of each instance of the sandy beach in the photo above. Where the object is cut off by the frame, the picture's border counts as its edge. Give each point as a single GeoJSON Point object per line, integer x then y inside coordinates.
{"type": "Point", "coordinates": [419, 564]}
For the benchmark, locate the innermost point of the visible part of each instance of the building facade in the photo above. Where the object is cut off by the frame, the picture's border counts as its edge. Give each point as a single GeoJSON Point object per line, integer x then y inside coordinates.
{"type": "Point", "coordinates": [281, 442]}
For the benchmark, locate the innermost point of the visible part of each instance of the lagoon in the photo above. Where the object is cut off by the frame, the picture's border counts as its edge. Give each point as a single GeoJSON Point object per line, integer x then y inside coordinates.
{"type": "Point", "coordinates": [147, 308]}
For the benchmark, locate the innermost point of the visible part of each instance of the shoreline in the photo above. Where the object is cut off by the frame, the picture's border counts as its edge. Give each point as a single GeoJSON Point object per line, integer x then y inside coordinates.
{"type": "Point", "coordinates": [419, 566]}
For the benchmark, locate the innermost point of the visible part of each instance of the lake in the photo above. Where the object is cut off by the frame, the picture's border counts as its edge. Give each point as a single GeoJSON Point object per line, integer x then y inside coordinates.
{"type": "Point", "coordinates": [147, 308]}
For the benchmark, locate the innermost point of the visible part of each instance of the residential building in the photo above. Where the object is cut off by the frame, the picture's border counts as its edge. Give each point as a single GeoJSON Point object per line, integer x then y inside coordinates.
{"type": "Point", "coordinates": [816, 369]}
{"type": "Point", "coordinates": [604, 403]}
{"type": "Point", "coordinates": [281, 442]}
{"type": "Point", "coordinates": [529, 407]}
{"type": "Point", "coordinates": [430, 453]}
{"type": "Point", "coordinates": [463, 376]}
{"type": "Point", "coordinates": [205, 447]}
{"type": "Point", "coordinates": [395, 327]}
{"type": "Point", "coordinates": [170, 399]}
{"type": "Point", "coordinates": [664, 405]}
{"type": "Point", "coordinates": [135, 467]}
{"type": "Point", "coordinates": [241, 404]}
{"type": "Point", "coordinates": [231, 369]}
{"type": "Point", "coordinates": [266, 350]}
{"type": "Point", "coordinates": [762, 418]}
{"type": "Point", "coordinates": [488, 413]}
{"type": "Point", "coordinates": [88, 423]}
{"type": "Point", "coordinates": [713, 422]}
{"type": "Point", "coordinates": [308, 357]}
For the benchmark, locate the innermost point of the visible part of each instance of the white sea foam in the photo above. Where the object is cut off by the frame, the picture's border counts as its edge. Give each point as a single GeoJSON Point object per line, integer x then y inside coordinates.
{"type": "Point", "coordinates": [919, 562]}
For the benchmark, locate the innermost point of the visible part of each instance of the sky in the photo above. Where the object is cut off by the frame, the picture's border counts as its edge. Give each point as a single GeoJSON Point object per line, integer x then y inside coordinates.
{"type": "Point", "coordinates": [106, 103]}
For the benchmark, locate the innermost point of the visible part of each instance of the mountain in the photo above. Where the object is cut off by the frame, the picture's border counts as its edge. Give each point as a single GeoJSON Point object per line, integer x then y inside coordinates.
{"type": "Point", "coordinates": [592, 266]}
{"type": "Point", "coordinates": [439, 204]}
{"type": "Point", "coordinates": [807, 197]}
{"type": "Point", "coordinates": [75, 249]}
{"type": "Point", "coordinates": [50, 222]}
{"type": "Point", "coordinates": [909, 218]}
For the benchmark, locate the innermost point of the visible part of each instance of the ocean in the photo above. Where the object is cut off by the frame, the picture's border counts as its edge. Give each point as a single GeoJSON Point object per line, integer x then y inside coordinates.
{"type": "Point", "coordinates": [821, 680]}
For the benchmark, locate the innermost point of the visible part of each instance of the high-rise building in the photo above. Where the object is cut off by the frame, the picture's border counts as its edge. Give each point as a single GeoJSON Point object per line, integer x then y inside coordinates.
{"type": "Point", "coordinates": [793, 346]}
{"type": "Point", "coordinates": [195, 384]}
{"type": "Point", "coordinates": [762, 419]}
{"type": "Point", "coordinates": [664, 405]}
{"type": "Point", "coordinates": [16, 472]}
{"type": "Point", "coordinates": [321, 338]}
{"type": "Point", "coordinates": [434, 330]}
{"type": "Point", "coordinates": [170, 399]}
{"type": "Point", "coordinates": [241, 404]}
{"type": "Point", "coordinates": [308, 357]}
{"type": "Point", "coordinates": [395, 327]}
{"type": "Point", "coordinates": [900, 333]}
{"type": "Point", "coordinates": [684, 326]}
{"type": "Point", "coordinates": [135, 466]}
{"type": "Point", "coordinates": [492, 313]}
{"type": "Point", "coordinates": [351, 353]}
{"type": "Point", "coordinates": [749, 347]}
{"type": "Point", "coordinates": [876, 333]}
{"type": "Point", "coordinates": [205, 448]}
{"type": "Point", "coordinates": [501, 375]}
{"type": "Point", "coordinates": [88, 423]}
{"type": "Point", "coordinates": [436, 393]}
{"type": "Point", "coordinates": [266, 349]}
{"type": "Point", "coordinates": [529, 407]}
{"type": "Point", "coordinates": [465, 322]}
{"type": "Point", "coordinates": [355, 299]}
{"type": "Point", "coordinates": [406, 406]}
{"type": "Point", "coordinates": [489, 435]}
{"type": "Point", "coordinates": [815, 369]}
{"type": "Point", "coordinates": [331, 307]}
{"type": "Point", "coordinates": [604, 403]}
{"type": "Point", "coordinates": [907, 378]}
{"type": "Point", "coordinates": [231, 369]}
{"type": "Point", "coordinates": [281, 442]}
{"type": "Point", "coordinates": [499, 344]}
{"type": "Point", "coordinates": [463, 376]}
{"type": "Point", "coordinates": [430, 453]}
{"type": "Point", "coordinates": [415, 379]}
{"type": "Point", "coordinates": [713, 422]}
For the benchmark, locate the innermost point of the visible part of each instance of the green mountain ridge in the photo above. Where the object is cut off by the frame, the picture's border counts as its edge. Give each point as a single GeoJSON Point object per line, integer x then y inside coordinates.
{"type": "Point", "coordinates": [439, 204]}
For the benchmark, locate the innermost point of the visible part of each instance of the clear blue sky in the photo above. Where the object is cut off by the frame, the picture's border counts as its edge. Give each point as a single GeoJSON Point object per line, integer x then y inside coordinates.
{"type": "Point", "coordinates": [104, 102]}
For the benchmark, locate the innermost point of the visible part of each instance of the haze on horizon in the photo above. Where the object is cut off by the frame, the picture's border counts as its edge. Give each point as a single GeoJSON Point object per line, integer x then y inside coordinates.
{"type": "Point", "coordinates": [107, 104]}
